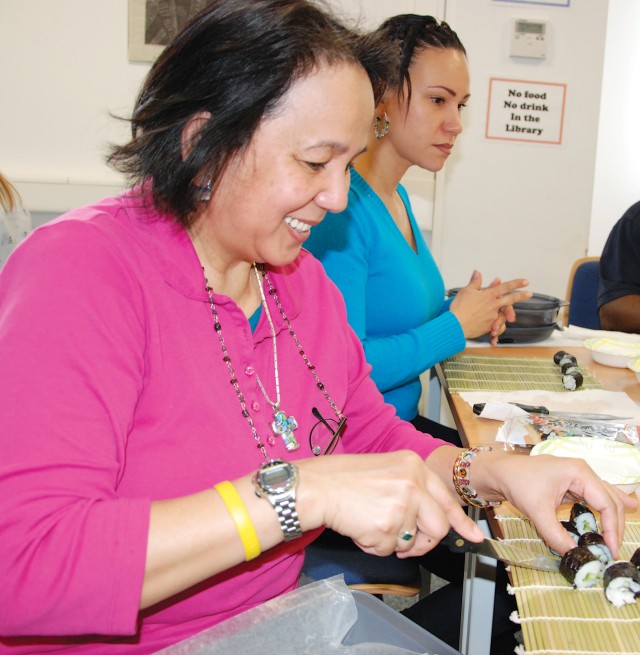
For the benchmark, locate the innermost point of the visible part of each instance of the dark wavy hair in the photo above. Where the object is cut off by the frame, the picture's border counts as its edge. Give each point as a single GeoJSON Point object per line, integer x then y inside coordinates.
{"type": "Point", "coordinates": [235, 60]}
{"type": "Point", "coordinates": [409, 35]}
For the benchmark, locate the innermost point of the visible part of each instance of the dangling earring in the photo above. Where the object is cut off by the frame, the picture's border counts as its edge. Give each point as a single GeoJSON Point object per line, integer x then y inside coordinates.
{"type": "Point", "coordinates": [204, 192]}
{"type": "Point", "coordinates": [381, 132]}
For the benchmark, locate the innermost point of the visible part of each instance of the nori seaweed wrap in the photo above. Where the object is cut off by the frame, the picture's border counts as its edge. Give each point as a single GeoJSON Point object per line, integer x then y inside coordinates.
{"type": "Point", "coordinates": [635, 558]}
{"type": "Point", "coordinates": [558, 356]}
{"type": "Point", "coordinates": [594, 541]}
{"type": "Point", "coordinates": [566, 359]}
{"type": "Point", "coordinates": [570, 527]}
{"type": "Point", "coordinates": [621, 582]}
{"type": "Point", "coordinates": [581, 567]}
{"type": "Point", "coordinates": [572, 377]}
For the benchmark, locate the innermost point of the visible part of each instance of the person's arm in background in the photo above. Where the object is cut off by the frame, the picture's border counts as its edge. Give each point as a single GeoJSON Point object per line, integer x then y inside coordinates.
{"type": "Point", "coordinates": [622, 314]}
{"type": "Point", "coordinates": [619, 288]}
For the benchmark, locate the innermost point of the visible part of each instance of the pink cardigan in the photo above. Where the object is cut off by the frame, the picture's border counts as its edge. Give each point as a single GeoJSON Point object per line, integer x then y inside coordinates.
{"type": "Point", "coordinates": [113, 393]}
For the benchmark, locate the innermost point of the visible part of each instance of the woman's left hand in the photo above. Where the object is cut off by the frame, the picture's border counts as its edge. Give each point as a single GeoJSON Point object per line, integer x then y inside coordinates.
{"type": "Point", "coordinates": [506, 315]}
{"type": "Point", "coordinates": [538, 485]}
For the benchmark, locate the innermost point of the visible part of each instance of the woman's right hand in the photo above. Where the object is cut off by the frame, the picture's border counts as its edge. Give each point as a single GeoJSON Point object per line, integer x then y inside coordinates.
{"type": "Point", "coordinates": [482, 310]}
{"type": "Point", "coordinates": [376, 498]}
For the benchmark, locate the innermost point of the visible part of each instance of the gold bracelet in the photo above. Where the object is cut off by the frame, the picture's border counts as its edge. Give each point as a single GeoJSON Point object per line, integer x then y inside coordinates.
{"type": "Point", "coordinates": [241, 518]}
{"type": "Point", "coordinates": [461, 478]}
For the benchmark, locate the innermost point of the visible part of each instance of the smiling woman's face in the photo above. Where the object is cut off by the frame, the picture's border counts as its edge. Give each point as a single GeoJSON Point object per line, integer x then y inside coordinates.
{"type": "Point", "coordinates": [294, 171]}
{"type": "Point", "coordinates": [424, 134]}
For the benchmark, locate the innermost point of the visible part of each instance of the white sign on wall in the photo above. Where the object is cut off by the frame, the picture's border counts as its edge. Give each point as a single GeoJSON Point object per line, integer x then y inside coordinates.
{"type": "Point", "coordinates": [521, 110]}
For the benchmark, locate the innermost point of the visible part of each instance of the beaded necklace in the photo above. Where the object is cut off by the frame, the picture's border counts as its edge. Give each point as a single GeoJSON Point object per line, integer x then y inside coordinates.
{"type": "Point", "coordinates": [282, 424]}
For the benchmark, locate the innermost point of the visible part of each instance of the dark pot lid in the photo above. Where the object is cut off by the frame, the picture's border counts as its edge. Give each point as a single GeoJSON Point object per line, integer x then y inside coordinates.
{"type": "Point", "coordinates": [539, 302]}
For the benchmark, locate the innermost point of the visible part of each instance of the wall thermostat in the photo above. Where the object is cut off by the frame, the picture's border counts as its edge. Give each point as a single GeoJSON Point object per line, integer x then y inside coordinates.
{"type": "Point", "coordinates": [529, 39]}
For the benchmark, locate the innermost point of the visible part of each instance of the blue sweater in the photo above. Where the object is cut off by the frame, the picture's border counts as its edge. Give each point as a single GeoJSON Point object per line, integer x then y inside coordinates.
{"type": "Point", "coordinates": [395, 297]}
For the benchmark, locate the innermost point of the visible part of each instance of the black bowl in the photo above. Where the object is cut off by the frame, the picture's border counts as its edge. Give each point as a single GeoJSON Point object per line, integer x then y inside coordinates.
{"type": "Point", "coordinates": [517, 334]}
{"type": "Point", "coordinates": [527, 334]}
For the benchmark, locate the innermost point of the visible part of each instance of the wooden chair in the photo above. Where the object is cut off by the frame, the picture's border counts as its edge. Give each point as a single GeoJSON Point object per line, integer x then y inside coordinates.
{"type": "Point", "coordinates": [582, 294]}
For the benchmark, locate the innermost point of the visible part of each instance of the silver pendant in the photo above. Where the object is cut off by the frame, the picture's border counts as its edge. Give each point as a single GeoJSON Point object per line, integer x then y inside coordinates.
{"type": "Point", "coordinates": [284, 426]}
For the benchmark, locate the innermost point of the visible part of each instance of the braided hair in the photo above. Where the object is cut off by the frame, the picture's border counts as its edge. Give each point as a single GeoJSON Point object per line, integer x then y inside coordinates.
{"type": "Point", "coordinates": [410, 34]}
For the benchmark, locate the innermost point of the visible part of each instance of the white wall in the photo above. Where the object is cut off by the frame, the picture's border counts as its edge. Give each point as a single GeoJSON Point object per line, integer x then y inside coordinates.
{"type": "Point", "coordinates": [508, 209]}
{"type": "Point", "coordinates": [617, 177]}
{"type": "Point", "coordinates": [516, 209]}
{"type": "Point", "coordinates": [64, 70]}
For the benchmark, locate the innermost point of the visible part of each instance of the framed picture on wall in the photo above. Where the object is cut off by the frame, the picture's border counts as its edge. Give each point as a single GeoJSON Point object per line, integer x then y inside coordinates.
{"type": "Point", "coordinates": [153, 23]}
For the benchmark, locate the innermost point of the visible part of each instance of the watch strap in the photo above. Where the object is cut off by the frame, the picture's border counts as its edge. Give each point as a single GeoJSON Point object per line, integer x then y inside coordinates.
{"type": "Point", "coordinates": [285, 507]}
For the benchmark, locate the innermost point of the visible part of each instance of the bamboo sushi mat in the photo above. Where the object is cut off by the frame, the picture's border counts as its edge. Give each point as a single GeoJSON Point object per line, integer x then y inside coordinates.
{"type": "Point", "coordinates": [557, 619]}
{"type": "Point", "coordinates": [484, 373]}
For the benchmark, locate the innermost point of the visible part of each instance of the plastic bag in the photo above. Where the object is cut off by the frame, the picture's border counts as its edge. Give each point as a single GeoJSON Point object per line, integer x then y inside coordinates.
{"type": "Point", "coordinates": [312, 619]}
{"type": "Point", "coordinates": [545, 426]}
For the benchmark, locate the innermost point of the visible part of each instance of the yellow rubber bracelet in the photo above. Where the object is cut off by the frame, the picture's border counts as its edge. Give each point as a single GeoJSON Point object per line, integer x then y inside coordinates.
{"type": "Point", "coordinates": [241, 518]}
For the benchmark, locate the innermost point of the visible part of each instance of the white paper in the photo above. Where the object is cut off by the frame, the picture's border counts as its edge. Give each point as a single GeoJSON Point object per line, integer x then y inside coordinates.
{"type": "Point", "coordinates": [592, 401]}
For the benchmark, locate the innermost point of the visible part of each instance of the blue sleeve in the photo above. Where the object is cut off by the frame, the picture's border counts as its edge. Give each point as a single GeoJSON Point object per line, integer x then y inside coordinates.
{"type": "Point", "coordinates": [399, 358]}
{"type": "Point", "coordinates": [347, 246]}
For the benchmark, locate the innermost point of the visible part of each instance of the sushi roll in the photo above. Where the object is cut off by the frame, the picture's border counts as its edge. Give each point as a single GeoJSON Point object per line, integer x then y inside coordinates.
{"type": "Point", "coordinates": [621, 582]}
{"type": "Point", "coordinates": [581, 567]}
{"type": "Point", "coordinates": [572, 377]}
{"type": "Point", "coordinates": [570, 527]}
{"type": "Point", "coordinates": [559, 355]}
{"type": "Point", "coordinates": [595, 543]}
{"type": "Point", "coordinates": [572, 380]}
{"type": "Point", "coordinates": [561, 358]}
{"type": "Point", "coordinates": [635, 558]}
{"type": "Point", "coordinates": [582, 517]}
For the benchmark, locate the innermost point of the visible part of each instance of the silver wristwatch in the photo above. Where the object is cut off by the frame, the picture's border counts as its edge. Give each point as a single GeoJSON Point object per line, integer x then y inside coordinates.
{"type": "Point", "coordinates": [276, 481]}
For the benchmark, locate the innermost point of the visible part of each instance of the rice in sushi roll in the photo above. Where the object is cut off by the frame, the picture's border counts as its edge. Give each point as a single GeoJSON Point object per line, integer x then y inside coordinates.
{"type": "Point", "coordinates": [621, 581]}
{"type": "Point", "coordinates": [582, 517]}
{"type": "Point", "coordinates": [595, 543]}
{"type": "Point", "coordinates": [581, 567]}
{"type": "Point", "coordinates": [562, 357]}
{"type": "Point", "coordinates": [572, 379]}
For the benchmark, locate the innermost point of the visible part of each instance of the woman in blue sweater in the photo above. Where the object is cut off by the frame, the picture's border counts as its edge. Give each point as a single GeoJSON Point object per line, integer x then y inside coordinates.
{"type": "Point", "coordinates": [394, 292]}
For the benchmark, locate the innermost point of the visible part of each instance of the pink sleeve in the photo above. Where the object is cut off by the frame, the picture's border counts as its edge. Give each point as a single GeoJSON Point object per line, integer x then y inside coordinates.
{"type": "Point", "coordinates": [64, 532]}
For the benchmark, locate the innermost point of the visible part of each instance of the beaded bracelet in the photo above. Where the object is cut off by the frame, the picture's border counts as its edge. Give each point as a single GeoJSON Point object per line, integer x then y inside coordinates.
{"type": "Point", "coordinates": [461, 478]}
{"type": "Point", "coordinates": [241, 518]}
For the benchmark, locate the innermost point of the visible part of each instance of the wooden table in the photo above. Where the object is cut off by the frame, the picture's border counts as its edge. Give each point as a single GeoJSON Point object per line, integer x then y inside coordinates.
{"type": "Point", "coordinates": [475, 431]}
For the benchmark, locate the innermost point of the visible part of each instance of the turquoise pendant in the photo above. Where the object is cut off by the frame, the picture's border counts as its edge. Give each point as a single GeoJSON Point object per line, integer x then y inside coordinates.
{"type": "Point", "coordinates": [285, 425]}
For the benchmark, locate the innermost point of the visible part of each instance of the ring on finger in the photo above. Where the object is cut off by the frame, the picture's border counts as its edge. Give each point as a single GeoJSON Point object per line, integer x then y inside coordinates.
{"type": "Point", "coordinates": [407, 536]}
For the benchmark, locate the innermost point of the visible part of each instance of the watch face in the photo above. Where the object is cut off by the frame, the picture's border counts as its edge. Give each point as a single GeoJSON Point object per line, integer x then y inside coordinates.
{"type": "Point", "coordinates": [277, 477]}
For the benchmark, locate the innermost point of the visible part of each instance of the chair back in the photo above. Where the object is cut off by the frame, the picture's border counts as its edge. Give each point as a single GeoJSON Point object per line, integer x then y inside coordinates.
{"type": "Point", "coordinates": [582, 294]}
{"type": "Point", "coordinates": [332, 554]}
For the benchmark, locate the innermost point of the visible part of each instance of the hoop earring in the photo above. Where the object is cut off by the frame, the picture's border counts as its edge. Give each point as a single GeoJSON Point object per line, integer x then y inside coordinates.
{"type": "Point", "coordinates": [381, 132]}
{"type": "Point", "coordinates": [204, 192]}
